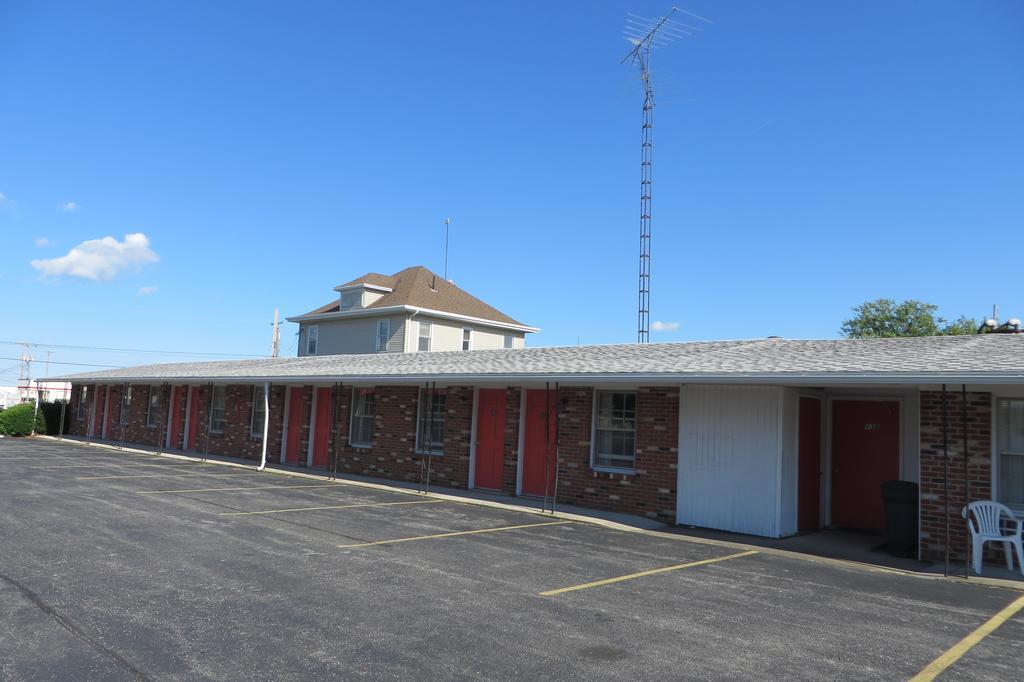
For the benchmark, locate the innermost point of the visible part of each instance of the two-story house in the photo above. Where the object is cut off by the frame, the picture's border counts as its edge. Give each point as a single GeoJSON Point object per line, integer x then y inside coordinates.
{"type": "Point", "coordinates": [414, 310]}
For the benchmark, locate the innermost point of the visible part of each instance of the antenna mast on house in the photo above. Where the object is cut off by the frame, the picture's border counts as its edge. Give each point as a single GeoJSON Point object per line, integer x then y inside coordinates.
{"type": "Point", "coordinates": [446, 222]}
{"type": "Point", "coordinates": [645, 35]}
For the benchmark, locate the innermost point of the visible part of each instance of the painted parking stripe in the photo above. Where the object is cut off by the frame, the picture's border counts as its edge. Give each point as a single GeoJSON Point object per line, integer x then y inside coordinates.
{"type": "Point", "coordinates": [641, 574]}
{"type": "Point", "coordinates": [236, 487]}
{"type": "Point", "coordinates": [967, 643]}
{"type": "Point", "coordinates": [332, 506]}
{"type": "Point", "coordinates": [185, 473]}
{"type": "Point", "coordinates": [451, 535]}
{"type": "Point", "coordinates": [106, 465]}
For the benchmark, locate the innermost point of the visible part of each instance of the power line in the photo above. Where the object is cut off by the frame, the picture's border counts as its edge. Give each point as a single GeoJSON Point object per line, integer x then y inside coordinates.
{"type": "Point", "coordinates": [132, 350]}
{"type": "Point", "coordinates": [76, 364]}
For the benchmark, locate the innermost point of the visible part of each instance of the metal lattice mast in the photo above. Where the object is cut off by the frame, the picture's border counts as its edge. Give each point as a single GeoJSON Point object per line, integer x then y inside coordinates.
{"type": "Point", "coordinates": [645, 35]}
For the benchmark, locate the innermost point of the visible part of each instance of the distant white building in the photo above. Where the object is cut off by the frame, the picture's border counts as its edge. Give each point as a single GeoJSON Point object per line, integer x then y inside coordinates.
{"type": "Point", "coordinates": [48, 392]}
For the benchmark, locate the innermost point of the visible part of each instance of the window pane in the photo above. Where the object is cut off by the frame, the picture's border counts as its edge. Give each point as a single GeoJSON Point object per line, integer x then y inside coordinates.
{"type": "Point", "coordinates": [507, 341]}
{"type": "Point", "coordinates": [256, 428]}
{"type": "Point", "coordinates": [1011, 479]}
{"type": "Point", "coordinates": [615, 430]}
{"type": "Point", "coordinates": [430, 432]}
{"type": "Point", "coordinates": [362, 417]}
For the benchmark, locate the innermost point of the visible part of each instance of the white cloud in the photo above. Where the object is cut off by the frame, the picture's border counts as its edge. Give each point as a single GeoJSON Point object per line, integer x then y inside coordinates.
{"type": "Point", "coordinates": [146, 291]}
{"type": "Point", "coordinates": [660, 326]}
{"type": "Point", "coordinates": [42, 242]}
{"type": "Point", "coordinates": [3, 198]}
{"type": "Point", "coordinates": [70, 207]}
{"type": "Point", "coordinates": [100, 259]}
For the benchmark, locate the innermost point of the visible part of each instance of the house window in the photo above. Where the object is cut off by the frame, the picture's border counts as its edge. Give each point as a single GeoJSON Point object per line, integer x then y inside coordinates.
{"type": "Point", "coordinates": [430, 422]}
{"type": "Point", "coordinates": [615, 431]}
{"type": "Point", "coordinates": [507, 341]}
{"type": "Point", "coordinates": [312, 336]}
{"type": "Point", "coordinates": [258, 412]}
{"type": "Point", "coordinates": [83, 399]}
{"type": "Point", "coordinates": [153, 407]}
{"type": "Point", "coordinates": [126, 406]}
{"type": "Point", "coordinates": [364, 405]}
{"type": "Point", "coordinates": [1010, 442]}
{"type": "Point", "coordinates": [349, 299]}
{"type": "Point", "coordinates": [424, 344]}
{"type": "Point", "coordinates": [218, 409]}
{"type": "Point", "coordinates": [383, 334]}
{"type": "Point", "coordinates": [467, 339]}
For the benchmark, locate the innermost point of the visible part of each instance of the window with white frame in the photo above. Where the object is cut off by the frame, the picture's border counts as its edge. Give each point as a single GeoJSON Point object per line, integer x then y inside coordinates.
{"type": "Point", "coordinates": [507, 341]}
{"type": "Point", "coordinates": [218, 409]}
{"type": "Point", "coordinates": [1010, 444]}
{"type": "Point", "coordinates": [258, 412]}
{"type": "Point", "coordinates": [467, 339]}
{"type": "Point", "coordinates": [364, 406]}
{"type": "Point", "coordinates": [383, 335]}
{"type": "Point", "coordinates": [153, 407]}
{"type": "Point", "coordinates": [83, 399]}
{"type": "Point", "coordinates": [312, 336]}
{"type": "Point", "coordinates": [126, 405]}
{"type": "Point", "coordinates": [350, 299]}
{"type": "Point", "coordinates": [614, 430]}
{"type": "Point", "coordinates": [424, 339]}
{"type": "Point", "coordinates": [430, 422]}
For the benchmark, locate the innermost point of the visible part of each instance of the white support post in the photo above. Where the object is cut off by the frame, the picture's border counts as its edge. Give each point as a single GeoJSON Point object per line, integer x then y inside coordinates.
{"type": "Point", "coordinates": [266, 424]}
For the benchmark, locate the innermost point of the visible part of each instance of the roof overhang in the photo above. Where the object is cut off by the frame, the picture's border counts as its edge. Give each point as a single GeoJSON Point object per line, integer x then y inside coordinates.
{"type": "Point", "coordinates": [371, 287]}
{"type": "Point", "coordinates": [822, 380]}
{"type": "Point", "coordinates": [413, 310]}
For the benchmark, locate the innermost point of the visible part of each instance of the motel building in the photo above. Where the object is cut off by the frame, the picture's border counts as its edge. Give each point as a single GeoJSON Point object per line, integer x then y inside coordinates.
{"type": "Point", "coordinates": [768, 437]}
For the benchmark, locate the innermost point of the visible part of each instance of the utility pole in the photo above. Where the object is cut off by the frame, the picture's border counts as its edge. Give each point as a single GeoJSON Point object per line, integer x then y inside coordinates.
{"type": "Point", "coordinates": [275, 341]}
{"type": "Point", "coordinates": [645, 35]}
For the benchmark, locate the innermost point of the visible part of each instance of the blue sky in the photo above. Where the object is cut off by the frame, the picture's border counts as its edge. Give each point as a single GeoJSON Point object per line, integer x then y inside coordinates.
{"type": "Point", "coordinates": [809, 156]}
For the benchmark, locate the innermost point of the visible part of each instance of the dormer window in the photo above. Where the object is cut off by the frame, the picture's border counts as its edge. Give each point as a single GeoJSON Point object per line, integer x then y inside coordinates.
{"type": "Point", "coordinates": [351, 299]}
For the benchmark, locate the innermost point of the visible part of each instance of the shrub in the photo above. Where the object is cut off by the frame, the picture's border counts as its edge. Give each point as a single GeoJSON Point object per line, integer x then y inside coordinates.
{"type": "Point", "coordinates": [17, 420]}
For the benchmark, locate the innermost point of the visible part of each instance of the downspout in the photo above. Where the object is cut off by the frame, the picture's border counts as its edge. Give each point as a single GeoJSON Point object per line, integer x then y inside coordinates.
{"type": "Point", "coordinates": [266, 425]}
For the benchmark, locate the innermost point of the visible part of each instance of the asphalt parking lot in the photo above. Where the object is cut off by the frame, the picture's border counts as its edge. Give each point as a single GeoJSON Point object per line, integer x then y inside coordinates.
{"type": "Point", "coordinates": [120, 565]}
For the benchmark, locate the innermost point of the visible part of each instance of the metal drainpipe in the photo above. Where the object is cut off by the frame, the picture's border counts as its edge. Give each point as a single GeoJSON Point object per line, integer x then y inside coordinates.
{"type": "Point", "coordinates": [266, 425]}
{"type": "Point", "coordinates": [967, 479]}
{"type": "Point", "coordinates": [945, 461]}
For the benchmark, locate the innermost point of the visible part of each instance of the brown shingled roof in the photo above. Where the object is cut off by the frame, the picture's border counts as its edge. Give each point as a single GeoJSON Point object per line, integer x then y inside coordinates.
{"type": "Point", "coordinates": [419, 287]}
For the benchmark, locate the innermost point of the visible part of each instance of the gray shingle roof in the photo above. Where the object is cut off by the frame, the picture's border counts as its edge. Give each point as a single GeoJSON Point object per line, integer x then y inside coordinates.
{"type": "Point", "coordinates": [975, 359]}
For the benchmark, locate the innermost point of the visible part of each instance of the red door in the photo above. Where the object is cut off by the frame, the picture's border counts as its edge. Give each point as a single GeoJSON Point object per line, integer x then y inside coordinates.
{"type": "Point", "coordinates": [809, 474]}
{"type": "Point", "coordinates": [175, 416]}
{"type": "Point", "coordinates": [322, 434]}
{"type": "Point", "coordinates": [865, 453]}
{"type": "Point", "coordinates": [193, 419]}
{"type": "Point", "coordinates": [291, 452]}
{"type": "Point", "coordinates": [539, 443]}
{"type": "Point", "coordinates": [490, 438]}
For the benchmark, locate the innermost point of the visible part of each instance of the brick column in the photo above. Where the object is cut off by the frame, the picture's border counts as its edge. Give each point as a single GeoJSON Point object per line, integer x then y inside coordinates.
{"type": "Point", "coordinates": [979, 468]}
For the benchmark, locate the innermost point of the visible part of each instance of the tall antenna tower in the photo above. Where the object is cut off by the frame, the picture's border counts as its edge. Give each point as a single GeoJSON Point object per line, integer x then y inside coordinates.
{"type": "Point", "coordinates": [645, 35]}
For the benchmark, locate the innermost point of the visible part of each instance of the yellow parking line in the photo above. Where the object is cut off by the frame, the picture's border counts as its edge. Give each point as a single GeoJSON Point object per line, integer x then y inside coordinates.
{"type": "Point", "coordinates": [332, 506]}
{"type": "Point", "coordinates": [967, 643]}
{"type": "Point", "coordinates": [193, 473]}
{"type": "Point", "coordinates": [451, 535]}
{"type": "Point", "coordinates": [641, 574]}
{"type": "Point", "coordinates": [235, 487]}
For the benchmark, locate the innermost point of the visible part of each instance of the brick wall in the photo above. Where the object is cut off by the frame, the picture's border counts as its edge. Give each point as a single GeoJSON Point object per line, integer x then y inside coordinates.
{"type": "Point", "coordinates": [649, 491]}
{"type": "Point", "coordinates": [979, 469]}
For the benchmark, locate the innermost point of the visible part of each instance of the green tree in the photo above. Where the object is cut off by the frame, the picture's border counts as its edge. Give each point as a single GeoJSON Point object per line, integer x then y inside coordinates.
{"type": "Point", "coordinates": [885, 318]}
{"type": "Point", "coordinates": [16, 420]}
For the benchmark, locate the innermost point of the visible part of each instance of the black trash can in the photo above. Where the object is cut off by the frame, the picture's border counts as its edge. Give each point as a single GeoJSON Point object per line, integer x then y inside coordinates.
{"type": "Point", "coordinates": [900, 500]}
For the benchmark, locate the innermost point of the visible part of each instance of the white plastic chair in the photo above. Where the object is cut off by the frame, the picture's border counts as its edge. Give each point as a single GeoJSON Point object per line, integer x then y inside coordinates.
{"type": "Point", "coordinates": [986, 526]}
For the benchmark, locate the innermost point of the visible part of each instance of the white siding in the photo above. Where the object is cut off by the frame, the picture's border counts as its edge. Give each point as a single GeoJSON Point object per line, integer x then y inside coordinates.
{"type": "Point", "coordinates": [730, 458]}
{"type": "Point", "coordinates": [790, 462]}
{"type": "Point", "coordinates": [356, 335]}
{"type": "Point", "coordinates": [447, 335]}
